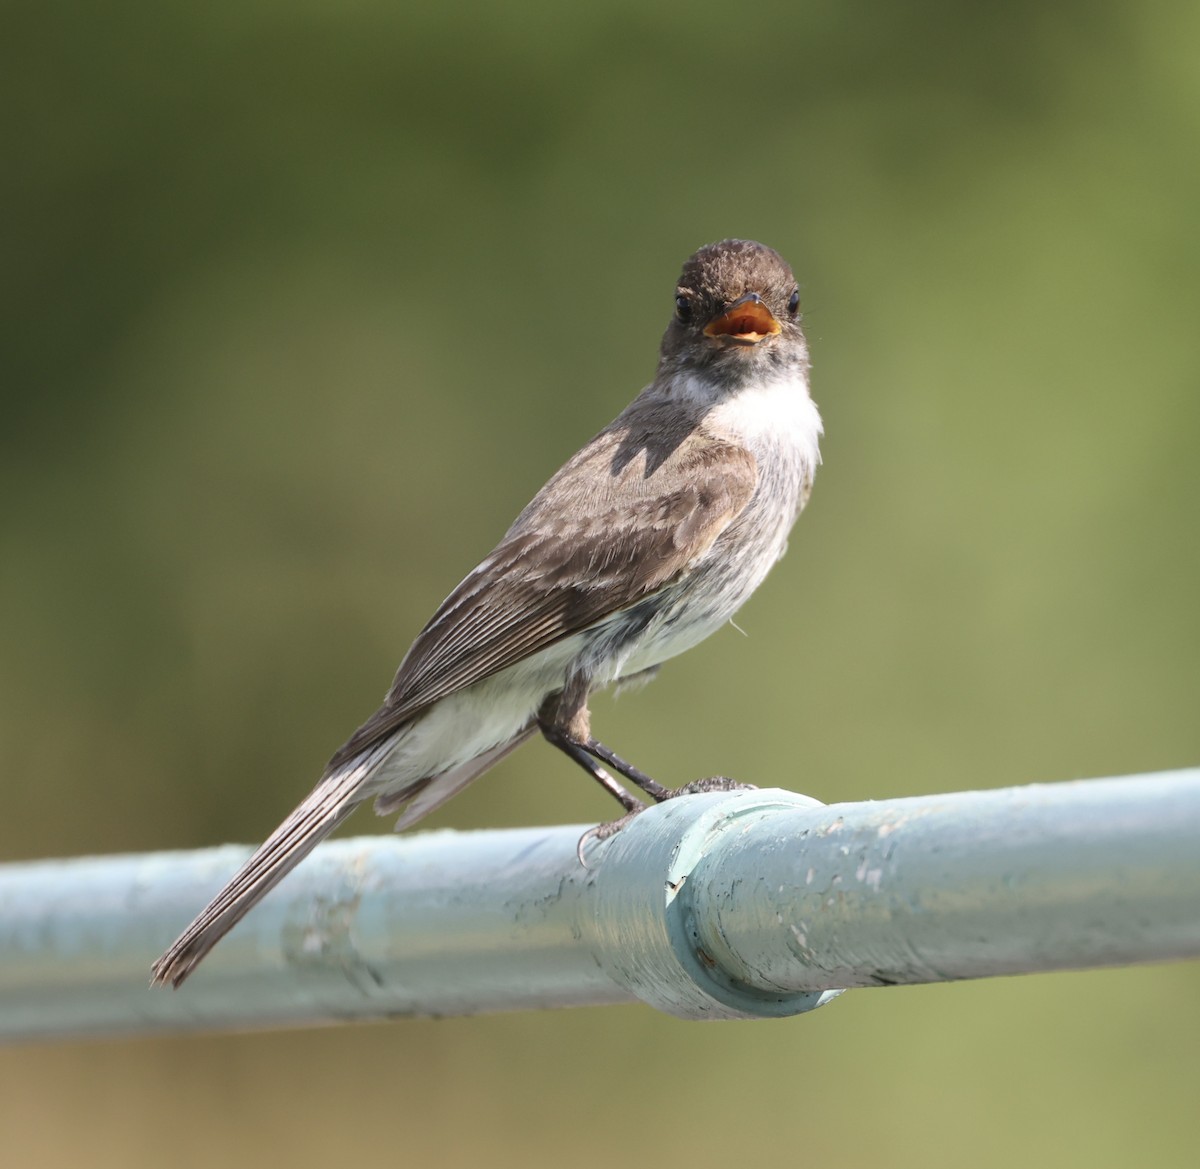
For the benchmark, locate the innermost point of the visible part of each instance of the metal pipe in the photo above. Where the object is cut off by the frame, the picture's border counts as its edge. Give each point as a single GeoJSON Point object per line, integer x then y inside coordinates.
{"type": "Point", "coordinates": [730, 905]}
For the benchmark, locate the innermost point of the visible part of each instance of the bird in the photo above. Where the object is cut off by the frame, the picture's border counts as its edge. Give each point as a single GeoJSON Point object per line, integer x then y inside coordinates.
{"type": "Point", "coordinates": [644, 543]}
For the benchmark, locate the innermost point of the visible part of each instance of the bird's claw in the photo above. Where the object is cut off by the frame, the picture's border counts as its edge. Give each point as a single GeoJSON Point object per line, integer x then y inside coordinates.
{"type": "Point", "coordinates": [602, 832]}
{"type": "Point", "coordinates": [714, 783]}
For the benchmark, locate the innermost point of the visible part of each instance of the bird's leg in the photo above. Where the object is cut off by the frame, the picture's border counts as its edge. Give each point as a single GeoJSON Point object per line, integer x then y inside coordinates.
{"type": "Point", "coordinates": [655, 790]}
{"type": "Point", "coordinates": [652, 788]}
{"type": "Point", "coordinates": [580, 754]}
{"type": "Point", "coordinates": [565, 722]}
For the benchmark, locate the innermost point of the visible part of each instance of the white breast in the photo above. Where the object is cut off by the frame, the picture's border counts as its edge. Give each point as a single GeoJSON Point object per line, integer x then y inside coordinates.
{"type": "Point", "coordinates": [778, 422]}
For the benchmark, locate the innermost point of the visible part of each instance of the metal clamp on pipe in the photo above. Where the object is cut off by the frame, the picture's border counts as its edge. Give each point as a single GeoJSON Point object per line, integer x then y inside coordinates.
{"type": "Point", "coordinates": [653, 908]}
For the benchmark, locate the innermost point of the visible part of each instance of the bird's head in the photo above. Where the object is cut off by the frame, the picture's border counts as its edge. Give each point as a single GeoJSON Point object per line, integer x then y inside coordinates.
{"type": "Point", "coordinates": [736, 302]}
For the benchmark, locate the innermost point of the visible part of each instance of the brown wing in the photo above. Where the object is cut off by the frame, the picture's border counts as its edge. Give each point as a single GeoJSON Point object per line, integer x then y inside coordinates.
{"type": "Point", "coordinates": [607, 531]}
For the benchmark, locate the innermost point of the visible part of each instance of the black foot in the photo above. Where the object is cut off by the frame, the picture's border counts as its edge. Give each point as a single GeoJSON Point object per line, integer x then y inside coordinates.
{"type": "Point", "coordinates": [714, 783]}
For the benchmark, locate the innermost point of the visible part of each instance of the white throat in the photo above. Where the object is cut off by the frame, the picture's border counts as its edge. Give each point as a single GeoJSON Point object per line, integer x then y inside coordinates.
{"type": "Point", "coordinates": [768, 417]}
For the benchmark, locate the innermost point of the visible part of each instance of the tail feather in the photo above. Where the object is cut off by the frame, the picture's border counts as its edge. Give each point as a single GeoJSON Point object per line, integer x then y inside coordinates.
{"type": "Point", "coordinates": [325, 807]}
{"type": "Point", "coordinates": [321, 811]}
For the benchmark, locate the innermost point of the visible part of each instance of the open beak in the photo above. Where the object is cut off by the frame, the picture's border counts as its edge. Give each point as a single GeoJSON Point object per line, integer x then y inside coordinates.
{"type": "Point", "coordinates": [747, 320]}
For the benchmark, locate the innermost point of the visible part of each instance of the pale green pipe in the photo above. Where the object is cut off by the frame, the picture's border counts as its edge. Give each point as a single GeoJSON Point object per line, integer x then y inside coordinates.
{"type": "Point", "coordinates": [737, 905]}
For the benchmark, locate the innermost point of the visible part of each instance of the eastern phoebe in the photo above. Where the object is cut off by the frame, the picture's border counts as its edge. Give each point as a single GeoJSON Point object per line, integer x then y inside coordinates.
{"type": "Point", "coordinates": [644, 543]}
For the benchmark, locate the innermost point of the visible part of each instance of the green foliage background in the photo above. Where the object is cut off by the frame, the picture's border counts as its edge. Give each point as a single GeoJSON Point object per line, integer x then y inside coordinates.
{"type": "Point", "coordinates": [303, 301]}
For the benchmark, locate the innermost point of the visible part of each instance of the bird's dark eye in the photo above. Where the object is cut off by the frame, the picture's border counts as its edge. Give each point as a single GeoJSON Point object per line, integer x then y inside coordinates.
{"type": "Point", "coordinates": [683, 307]}
{"type": "Point", "coordinates": [794, 301]}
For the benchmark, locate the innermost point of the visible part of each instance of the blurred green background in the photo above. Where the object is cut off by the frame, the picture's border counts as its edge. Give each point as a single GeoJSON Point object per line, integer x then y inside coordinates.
{"type": "Point", "coordinates": [302, 303]}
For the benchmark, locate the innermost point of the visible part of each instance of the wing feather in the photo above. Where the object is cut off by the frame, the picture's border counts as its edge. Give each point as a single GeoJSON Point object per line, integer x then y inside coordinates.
{"type": "Point", "coordinates": [610, 529]}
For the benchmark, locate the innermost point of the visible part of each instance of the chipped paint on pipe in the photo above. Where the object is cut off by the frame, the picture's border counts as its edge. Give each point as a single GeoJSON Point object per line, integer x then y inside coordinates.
{"type": "Point", "coordinates": [935, 888]}
{"type": "Point", "coordinates": [440, 923]}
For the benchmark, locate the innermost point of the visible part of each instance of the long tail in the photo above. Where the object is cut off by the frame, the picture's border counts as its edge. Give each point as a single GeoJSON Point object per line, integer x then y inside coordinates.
{"type": "Point", "coordinates": [322, 810]}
